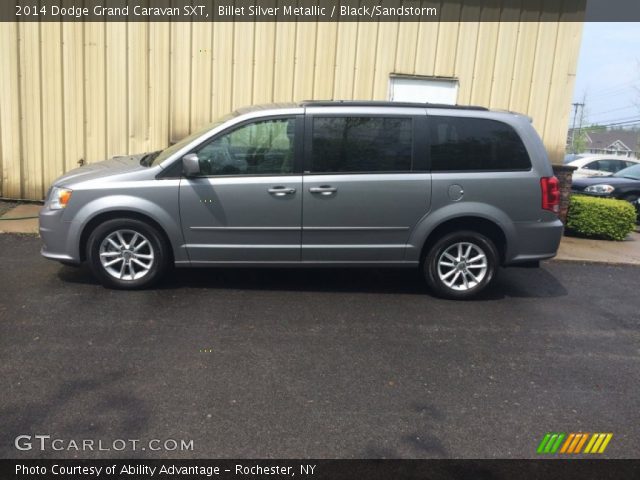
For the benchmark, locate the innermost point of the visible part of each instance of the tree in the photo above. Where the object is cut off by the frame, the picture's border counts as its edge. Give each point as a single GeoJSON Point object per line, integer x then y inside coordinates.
{"type": "Point", "coordinates": [579, 142]}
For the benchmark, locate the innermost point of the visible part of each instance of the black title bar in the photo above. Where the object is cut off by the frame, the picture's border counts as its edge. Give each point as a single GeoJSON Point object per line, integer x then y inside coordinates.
{"type": "Point", "coordinates": [320, 10]}
{"type": "Point", "coordinates": [319, 469]}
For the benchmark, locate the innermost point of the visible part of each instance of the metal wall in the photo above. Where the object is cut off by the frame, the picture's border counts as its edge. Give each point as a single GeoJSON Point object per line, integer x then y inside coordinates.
{"type": "Point", "coordinates": [86, 91]}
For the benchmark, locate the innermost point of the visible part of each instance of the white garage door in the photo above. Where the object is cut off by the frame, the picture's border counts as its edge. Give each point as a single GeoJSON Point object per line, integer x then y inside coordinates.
{"type": "Point", "coordinates": [419, 89]}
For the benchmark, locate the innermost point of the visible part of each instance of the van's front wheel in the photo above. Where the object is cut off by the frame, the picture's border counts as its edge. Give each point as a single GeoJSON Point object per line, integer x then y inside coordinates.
{"type": "Point", "coordinates": [126, 254]}
{"type": "Point", "coordinates": [461, 264]}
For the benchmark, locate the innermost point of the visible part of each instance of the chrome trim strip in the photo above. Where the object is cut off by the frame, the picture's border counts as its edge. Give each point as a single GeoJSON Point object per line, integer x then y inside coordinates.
{"type": "Point", "coordinates": [214, 245]}
{"type": "Point", "coordinates": [316, 229]}
{"type": "Point", "coordinates": [367, 246]}
{"type": "Point", "coordinates": [321, 247]}
{"type": "Point", "coordinates": [400, 263]}
{"type": "Point", "coordinates": [366, 229]}
{"type": "Point", "coordinates": [247, 229]}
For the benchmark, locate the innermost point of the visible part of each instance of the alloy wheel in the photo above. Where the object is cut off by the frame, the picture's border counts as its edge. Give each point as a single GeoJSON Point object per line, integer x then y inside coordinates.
{"type": "Point", "coordinates": [126, 254]}
{"type": "Point", "coordinates": [462, 266]}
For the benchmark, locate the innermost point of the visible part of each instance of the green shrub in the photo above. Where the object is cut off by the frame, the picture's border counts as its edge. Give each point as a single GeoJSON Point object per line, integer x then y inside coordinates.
{"type": "Point", "coordinates": [601, 217]}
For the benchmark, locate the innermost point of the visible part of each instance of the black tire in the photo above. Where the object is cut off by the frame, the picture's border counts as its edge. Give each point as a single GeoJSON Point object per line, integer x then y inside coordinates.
{"type": "Point", "coordinates": [156, 248]}
{"type": "Point", "coordinates": [435, 254]}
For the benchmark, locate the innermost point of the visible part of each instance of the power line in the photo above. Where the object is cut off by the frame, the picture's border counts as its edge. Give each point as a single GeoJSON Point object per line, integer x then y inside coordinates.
{"type": "Point", "coordinates": [629, 123]}
{"type": "Point", "coordinates": [600, 92]}
{"type": "Point", "coordinates": [610, 95]}
{"type": "Point", "coordinates": [615, 110]}
{"type": "Point", "coordinates": [619, 85]}
{"type": "Point", "coordinates": [620, 119]}
{"type": "Point", "coordinates": [615, 92]}
{"type": "Point", "coordinates": [624, 124]}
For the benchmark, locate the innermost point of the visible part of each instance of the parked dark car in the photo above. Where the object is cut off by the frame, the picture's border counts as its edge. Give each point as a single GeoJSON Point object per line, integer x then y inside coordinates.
{"type": "Point", "coordinates": [623, 185]}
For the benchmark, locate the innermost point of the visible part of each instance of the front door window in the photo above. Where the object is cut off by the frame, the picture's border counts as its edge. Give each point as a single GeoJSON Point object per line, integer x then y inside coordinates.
{"type": "Point", "coordinates": [260, 148]}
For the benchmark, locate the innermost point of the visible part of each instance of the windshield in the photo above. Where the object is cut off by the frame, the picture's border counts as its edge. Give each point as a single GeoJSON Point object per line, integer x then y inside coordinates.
{"type": "Point", "coordinates": [632, 172]}
{"type": "Point", "coordinates": [167, 152]}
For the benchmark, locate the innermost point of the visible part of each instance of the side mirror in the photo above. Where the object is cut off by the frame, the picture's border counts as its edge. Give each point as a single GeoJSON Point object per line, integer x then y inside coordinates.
{"type": "Point", "coordinates": [191, 165]}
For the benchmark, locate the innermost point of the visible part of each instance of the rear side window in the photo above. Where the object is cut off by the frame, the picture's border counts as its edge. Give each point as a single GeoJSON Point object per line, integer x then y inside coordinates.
{"type": "Point", "coordinates": [611, 166]}
{"type": "Point", "coordinates": [591, 166]}
{"type": "Point", "coordinates": [361, 144]}
{"type": "Point", "coordinates": [475, 144]}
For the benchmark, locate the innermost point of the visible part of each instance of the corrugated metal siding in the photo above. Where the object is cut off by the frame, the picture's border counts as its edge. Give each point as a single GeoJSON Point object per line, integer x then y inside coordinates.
{"type": "Point", "coordinates": [88, 91]}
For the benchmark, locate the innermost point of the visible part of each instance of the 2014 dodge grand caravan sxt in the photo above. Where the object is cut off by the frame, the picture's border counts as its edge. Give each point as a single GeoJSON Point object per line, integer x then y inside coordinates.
{"type": "Point", "coordinates": [455, 191]}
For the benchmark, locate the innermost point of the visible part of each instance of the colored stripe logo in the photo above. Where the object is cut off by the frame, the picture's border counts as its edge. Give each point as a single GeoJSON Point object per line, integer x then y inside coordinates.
{"type": "Point", "coordinates": [574, 443]}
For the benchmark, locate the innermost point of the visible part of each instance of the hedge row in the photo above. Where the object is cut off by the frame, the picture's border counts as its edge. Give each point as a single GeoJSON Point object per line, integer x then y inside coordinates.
{"type": "Point", "coordinates": [601, 217]}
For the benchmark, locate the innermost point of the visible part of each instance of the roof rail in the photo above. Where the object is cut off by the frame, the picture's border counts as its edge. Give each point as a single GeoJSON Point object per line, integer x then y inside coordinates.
{"type": "Point", "coordinates": [382, 103]}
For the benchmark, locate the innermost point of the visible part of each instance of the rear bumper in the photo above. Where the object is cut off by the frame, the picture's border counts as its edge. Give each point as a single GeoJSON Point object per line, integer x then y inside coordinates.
{"type": "Point", "coordinates": [56, 239]}
{"type": "Point", "coordinates": [535, 241]}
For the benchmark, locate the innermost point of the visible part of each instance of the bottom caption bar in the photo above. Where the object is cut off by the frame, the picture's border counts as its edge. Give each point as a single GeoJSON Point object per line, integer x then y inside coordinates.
{"type": "Point", "coordinates": [584, 469]}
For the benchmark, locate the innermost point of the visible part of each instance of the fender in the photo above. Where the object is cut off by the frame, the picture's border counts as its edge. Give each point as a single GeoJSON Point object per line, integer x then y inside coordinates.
{"type": "Point", "coordinates": [168, 221]}
{"type": "Point", "coordinates": [432, 220]}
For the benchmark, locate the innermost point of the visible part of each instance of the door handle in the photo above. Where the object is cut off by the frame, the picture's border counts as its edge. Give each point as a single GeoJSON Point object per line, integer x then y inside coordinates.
{"type": "Point", "coordinates": [281, 191]}
{"type": "Point", "coordinates": [324, 190]}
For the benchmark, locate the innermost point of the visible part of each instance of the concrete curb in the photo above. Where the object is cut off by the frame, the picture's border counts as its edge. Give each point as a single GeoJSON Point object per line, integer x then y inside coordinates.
{"type": "Point", "coordinates": [593, 262]}
{"type": "Point", "coordinates": [574, 249]}
{"type": "Point", "coordinates": [21, 224]}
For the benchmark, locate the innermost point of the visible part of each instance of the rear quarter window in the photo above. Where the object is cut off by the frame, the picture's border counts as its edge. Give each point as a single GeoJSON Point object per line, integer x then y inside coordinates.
{"type": "Point", "coordinates": [475, 144]}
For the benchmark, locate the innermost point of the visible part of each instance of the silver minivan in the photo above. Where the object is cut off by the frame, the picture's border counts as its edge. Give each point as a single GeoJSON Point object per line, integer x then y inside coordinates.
{"type": "Point", "coordinates": [455, 191]}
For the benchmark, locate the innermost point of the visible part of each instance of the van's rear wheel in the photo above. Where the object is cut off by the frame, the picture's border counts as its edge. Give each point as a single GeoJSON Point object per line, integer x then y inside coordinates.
{"type": "Point", "coordinates": [461, 264]}
{"type": "Point", "coordinates": [126, 254]}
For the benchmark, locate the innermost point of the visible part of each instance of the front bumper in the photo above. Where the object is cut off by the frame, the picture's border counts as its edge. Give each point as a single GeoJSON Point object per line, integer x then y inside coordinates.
{"type": "Point", "coordinates": [55, 234]}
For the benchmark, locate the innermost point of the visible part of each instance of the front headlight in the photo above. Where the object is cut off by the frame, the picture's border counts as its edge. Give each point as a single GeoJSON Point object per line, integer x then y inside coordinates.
{"type": "Point", "coordinates": [59, 198]}
{"type": "Point", "coordinates": [601, 189]}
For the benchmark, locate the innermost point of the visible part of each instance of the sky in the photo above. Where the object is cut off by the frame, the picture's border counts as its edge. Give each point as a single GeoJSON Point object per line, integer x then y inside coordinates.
{"type": "Point", "coordinates": [608, 76]}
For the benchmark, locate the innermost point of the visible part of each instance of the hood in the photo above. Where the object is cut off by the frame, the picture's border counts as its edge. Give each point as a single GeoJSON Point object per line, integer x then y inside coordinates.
{"type": "Point", "coordinates": [583, 182]}
{"type": "Point", "coordinates": [102, 169]}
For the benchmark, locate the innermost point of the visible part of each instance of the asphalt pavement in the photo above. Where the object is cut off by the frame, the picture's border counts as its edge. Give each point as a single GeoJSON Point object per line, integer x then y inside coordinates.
{"type": "Point", "coordinates": [315, 363]}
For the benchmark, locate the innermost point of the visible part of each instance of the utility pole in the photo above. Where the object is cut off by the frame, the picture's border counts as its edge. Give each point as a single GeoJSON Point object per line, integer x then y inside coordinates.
{"type": "Point", "coordinates": [573, 127]}
{"type": "Point", "coordinates": [581, 118]}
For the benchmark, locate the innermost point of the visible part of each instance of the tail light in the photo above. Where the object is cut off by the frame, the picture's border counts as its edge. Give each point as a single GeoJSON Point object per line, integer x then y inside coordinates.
{"type": "Point", "coordinates": [550, 187]}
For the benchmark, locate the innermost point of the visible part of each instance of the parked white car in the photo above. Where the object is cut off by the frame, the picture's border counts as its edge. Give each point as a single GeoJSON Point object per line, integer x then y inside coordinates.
{"type": "Point", "coordinates": [600, 165]}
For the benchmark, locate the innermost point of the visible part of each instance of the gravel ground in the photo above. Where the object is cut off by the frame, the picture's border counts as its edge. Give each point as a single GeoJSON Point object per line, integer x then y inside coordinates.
{"type": "Point", "coordinates": [6, 206]}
